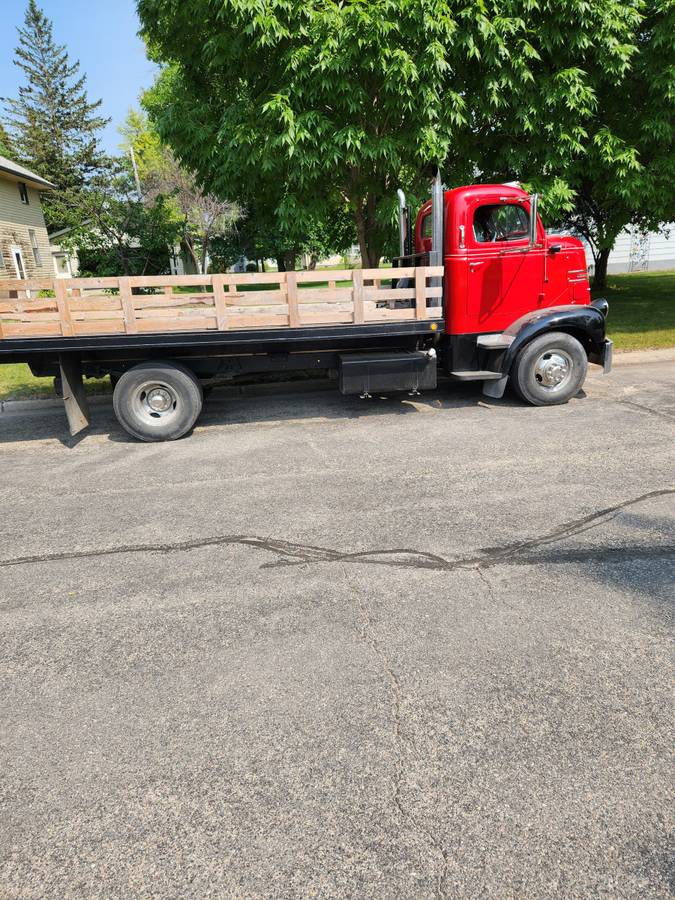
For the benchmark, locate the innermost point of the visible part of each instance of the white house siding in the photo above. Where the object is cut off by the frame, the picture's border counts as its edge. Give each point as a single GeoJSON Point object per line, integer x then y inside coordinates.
{"type": "Point", "coordinates": [637, 252]}
{"type": "Point", "coordinates": [16, 220]}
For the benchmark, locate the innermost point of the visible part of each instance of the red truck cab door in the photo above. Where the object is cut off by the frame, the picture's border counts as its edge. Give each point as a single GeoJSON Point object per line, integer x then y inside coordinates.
{"type": "Point", "coordinates": [504, 276]}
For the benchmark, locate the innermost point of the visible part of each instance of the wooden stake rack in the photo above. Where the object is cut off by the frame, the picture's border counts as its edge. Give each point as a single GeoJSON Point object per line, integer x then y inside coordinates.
{"type": "Point", "coordinates": [69, 307]}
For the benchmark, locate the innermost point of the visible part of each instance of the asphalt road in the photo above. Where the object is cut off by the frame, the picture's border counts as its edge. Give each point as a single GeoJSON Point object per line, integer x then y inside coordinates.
{"type": "Point", "coordinates": [339, 648]}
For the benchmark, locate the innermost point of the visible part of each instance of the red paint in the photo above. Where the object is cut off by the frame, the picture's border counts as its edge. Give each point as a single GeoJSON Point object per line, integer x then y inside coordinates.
{"type": "Point", "coordinates": [489, 284]}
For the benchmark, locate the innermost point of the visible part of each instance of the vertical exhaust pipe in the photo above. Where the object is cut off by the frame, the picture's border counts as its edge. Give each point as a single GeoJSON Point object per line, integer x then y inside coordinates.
{"type": "Point", "coordinates": [436, 255]}
{"type": "Point", "coordinates": [402, 223]}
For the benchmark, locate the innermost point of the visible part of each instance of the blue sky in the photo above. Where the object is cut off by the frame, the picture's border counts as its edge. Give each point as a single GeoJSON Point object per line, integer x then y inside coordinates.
{"type": "Point", "coordinates": [102, 35]}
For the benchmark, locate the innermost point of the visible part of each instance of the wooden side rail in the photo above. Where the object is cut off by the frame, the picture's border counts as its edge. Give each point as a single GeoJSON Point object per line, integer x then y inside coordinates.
{"type": "Point", "coordinates": [69, 307]}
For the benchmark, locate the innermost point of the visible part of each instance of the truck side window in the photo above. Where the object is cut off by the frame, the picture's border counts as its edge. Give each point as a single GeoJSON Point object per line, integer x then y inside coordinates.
{"type": "Point", "coordinates": [500, 222]}
{"type": "Point", "coordinates": [427, 226]}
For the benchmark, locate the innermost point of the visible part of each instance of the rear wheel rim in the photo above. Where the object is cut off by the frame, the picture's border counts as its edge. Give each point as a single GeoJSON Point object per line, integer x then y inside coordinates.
{"type": "Point", "coordinates": [155, 403]}
{"type": "Point", "coordinates": [554, 370]}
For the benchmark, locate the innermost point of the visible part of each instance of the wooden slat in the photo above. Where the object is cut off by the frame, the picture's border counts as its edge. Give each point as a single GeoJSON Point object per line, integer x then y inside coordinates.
{"type": "Point", "coordinates": [148, 281]}
{"type": "Point", "coordinates": [128, 306]}
{"type": "Point", "coordinates": [237, 278]}
{"type": "Point", "coordinates": [266, 321]}
{"type": "Point", "coordinates": [420, 298]}
{"type": "Point", "coordinates": [325, 318]}
{"type": "Point", "coordinates": [430, 293]}
{"type": "Point", "coordinates": [33, 317]}
{"type": "Point", "coordinates": [326, 276]}
{"type": "Point", "coordinates": [206, 323]}
{"type": "Point", "coordinates": [90, 284]}
{"type": "Point", "coordinates": [292, 288]}
{"type": "Point", "coordinates": [12, 306]}
{"type": "Point", "coordinates": [107, 326]}
{"type": "Point", "coordinates": [357, 281]}
{"type": "Point", "coordinates": [31, 284]}
{"type": "Point", "coordinates": [324, 295]}
{"type": "Point", "coordinates": [94, 303]}
{"type": "Point", "coordinates": [97, 315]}
{"type": "Point", "coordinates": [255, 298]}
{"type": "Point", "coordinates": [23, 329]}
{"type": "Point", "coordinates": [64, 309]}
{"type": "Point", "coordinates": [160, 301]}
{"type": "Point", "coordinates": [220, 300]}
{"type": "Point", "coordinates": [159, 313]}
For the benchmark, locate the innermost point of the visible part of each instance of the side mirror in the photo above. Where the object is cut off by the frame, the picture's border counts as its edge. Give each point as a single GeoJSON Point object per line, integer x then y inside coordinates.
{"type": "Point", "coordinates": [534, 204]}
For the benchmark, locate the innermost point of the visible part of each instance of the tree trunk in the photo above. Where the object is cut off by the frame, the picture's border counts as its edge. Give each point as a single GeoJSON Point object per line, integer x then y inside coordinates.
{"type": "Point", "coordinates": [366, 230]}
{"type": "Point", "coordinates": [290, 258]}
{"type": "Point", "coordinates": [600, 275]}
{"type": "Point", "coordinates": [281, 263]}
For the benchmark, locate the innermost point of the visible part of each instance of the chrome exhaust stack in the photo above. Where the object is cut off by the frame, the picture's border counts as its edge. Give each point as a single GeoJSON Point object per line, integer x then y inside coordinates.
{"type": "Point", "coordinates": [436, 255]}
{"type": "Point", "coordinates": [402, 223]}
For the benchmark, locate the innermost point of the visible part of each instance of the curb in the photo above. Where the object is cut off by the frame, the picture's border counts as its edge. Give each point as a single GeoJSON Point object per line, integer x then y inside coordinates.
{"type": "Point", "coordinates": [635, 357]}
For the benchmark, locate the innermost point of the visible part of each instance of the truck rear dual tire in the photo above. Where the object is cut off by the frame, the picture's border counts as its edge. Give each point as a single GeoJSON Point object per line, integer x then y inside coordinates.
{"type": "Point", "coordinates": [158, 401]}
{"type": "Point", "coordinates": [550, 369]}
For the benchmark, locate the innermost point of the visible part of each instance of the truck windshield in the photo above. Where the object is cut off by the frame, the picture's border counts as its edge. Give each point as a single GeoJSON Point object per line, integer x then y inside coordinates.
{"type": "Point", "coordinates": [500, 222]}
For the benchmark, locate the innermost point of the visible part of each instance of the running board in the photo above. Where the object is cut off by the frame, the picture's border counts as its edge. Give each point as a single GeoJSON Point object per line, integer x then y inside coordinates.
{"type": "Point", "coordinates": [475, 375]}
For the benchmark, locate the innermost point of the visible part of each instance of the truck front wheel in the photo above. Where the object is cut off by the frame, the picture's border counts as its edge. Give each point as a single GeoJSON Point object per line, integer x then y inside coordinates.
{"type": "Point", "coordinates": [550, 369]}
{"type": "Point", "coordinates": [157, 401]}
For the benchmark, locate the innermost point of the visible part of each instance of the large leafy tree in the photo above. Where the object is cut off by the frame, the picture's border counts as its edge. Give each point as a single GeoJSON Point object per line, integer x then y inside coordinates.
{"type": "Point", "coordinates": [627, 174]}
{"type": "Point", "coordinates": [352, 97]}
{"type": "Point", "coordinates": [54, 128]}
{"type": "Point", "coordinates": [618, 167]}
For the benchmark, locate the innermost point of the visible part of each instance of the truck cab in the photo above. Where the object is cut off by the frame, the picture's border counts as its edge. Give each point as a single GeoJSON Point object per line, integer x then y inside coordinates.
{"type": "Point", "coordinates": [506, 284]}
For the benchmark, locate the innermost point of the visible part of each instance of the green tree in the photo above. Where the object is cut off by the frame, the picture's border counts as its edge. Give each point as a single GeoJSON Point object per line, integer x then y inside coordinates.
{"type": "Point", "coordinates": [627, 174]}
{"type": "Point", "coordinates": [53, 126]}
{"type": "Point", "coordinates": [113, 231]}
{"type": "Point", "coordinates": [354, 97]}
{"type": "Point", "coordinates": [203, 216]}
{"type": "Point", "coordinates": [6, 148]}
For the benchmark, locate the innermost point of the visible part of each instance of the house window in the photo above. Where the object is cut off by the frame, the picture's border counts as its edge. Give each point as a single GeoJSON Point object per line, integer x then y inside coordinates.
{"type": "Point", "coordinates": [35, 247]}
{"type": "Point", "coordinates": [23, 192]}
{"type": "Point", "coordinates": [17, 259]}
{"type": "Point", "coordinates": [62, 265]}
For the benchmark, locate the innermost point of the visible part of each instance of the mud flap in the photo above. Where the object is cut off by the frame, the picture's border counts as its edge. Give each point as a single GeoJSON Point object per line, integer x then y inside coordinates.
{"type": "Point", "coordinates": [495, 388]}
{"type": "Point", "coordinates": [74, 397]}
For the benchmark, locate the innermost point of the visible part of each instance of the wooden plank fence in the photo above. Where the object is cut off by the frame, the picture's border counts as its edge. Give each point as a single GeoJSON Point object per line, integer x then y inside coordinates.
{"type": "Point", "coordinates": [67, 307]}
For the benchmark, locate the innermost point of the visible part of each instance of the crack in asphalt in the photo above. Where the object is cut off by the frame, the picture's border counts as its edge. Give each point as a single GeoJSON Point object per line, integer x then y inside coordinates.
{"type": "Point", "coordinates": [289, 553]}
{"type": "Point", "coordinates": [364, 629]}
{"type": "Point", "coordinates": [660, 413]}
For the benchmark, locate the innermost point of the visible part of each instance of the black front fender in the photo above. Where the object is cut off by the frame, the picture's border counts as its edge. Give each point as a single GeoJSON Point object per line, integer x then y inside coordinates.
{"type": "Point", "coordinates": [585, 322]}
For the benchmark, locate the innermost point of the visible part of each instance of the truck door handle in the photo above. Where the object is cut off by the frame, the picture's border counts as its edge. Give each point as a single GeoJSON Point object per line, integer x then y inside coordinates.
{"type": "Point", "coordinates": [475, 265]}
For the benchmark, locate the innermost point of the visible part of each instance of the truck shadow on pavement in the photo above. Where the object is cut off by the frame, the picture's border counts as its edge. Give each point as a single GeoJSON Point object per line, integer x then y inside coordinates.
{"type": "Point", "coordinates": [259, 405]}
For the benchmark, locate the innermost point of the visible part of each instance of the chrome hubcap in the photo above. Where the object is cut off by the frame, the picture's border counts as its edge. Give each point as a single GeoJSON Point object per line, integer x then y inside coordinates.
{"type": "Point", "coordinates": [159, 400]}
{"type": "Point", "coordinates": [155, 401]}
{"type": "Point", "coordinates": [553, 370]}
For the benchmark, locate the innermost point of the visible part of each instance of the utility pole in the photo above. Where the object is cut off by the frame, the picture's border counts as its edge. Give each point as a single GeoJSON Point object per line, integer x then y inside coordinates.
{"type": "Point", "coordinates": [135, 167]}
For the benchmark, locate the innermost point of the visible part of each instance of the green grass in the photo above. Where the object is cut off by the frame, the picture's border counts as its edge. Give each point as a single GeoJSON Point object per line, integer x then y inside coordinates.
{"type": "Point", "coordinates": [641, 317]}
{"type": "Point", "coordinates": [17, 383]}
{"type": "Point", "coordinates": [641, 310]}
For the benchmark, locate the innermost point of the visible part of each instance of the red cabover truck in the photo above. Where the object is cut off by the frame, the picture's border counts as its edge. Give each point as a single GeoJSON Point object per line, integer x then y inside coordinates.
{"type": "Point", "coordinates": [479, 291]}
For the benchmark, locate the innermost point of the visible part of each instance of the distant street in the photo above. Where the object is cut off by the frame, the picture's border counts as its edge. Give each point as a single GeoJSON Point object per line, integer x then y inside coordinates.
{"type": "Point", "coordinates": [414, 647]}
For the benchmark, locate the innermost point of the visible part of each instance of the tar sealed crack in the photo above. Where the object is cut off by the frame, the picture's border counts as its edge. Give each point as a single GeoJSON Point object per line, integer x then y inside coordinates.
{"type": "Point", "coordinates": [288, 553]}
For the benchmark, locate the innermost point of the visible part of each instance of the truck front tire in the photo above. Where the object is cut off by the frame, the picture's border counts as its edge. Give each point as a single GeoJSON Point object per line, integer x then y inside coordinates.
{"type": "Point", "coordinates": [550, 369]}
{"type": "Point", "coordinates": [157, 401]}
